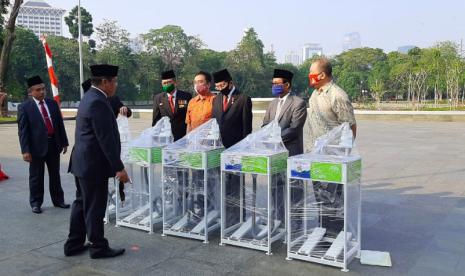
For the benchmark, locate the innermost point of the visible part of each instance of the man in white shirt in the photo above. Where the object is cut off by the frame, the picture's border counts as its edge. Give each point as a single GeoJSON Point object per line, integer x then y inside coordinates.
{"type": "Point", "coordinates": [42, 137]}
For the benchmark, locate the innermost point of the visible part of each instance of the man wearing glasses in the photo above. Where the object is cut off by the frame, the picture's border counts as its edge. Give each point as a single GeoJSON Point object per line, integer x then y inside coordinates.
{"type": "Point", "coordinates": [329, 105]}
{"type": "Point", "coordinates": [233, 112]}
{"type": "Point", "coordinates": [288, 110]}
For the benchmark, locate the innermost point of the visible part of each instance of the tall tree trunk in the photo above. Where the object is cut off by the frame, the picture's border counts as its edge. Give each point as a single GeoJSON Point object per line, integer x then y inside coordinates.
{"type": "Point", "coordinates": [9, 38]}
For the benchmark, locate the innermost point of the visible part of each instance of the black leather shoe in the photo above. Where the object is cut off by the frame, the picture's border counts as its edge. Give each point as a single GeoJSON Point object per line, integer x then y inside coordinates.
{"type": "Point", "coordinates": [36, 210]}
{"type": "Point", "coordinates": [75, 250]}
{"type": "Point", "coordinates": [62, 205]}
{"type": "Point", "coordinates": [106, 253]}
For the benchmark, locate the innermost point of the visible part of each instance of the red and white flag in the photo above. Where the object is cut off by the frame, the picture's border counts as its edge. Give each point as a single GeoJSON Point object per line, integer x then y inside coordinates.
{"type": "Point", "coordinates": [51, 71]}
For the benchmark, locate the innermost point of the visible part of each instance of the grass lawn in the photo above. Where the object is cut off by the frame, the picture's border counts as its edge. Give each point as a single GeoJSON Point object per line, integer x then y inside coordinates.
{"type": "Point", "coordinates": [7, 119]}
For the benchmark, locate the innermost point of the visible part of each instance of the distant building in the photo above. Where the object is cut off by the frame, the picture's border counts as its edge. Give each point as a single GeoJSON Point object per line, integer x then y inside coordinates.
{"type": "Point", "coordinates": [311, 49]}
{"type": "Point", "coordinates": [41, 18]}
{"type": "Point", "coordinates": [293, 57]}
{"type": "Point", "coordinates": [404, 49]}
{"type": "Point", "coordinates": [352, 41]}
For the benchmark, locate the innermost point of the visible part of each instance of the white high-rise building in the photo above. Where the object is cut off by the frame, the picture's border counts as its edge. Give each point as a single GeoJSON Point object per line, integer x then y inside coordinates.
{"type": "Point", "coordinates": [293, 58]}
{"type": "Point", "coordinates": [352, 41]}
{"type": "Point", "coordinates": [41, 18]}
{"type": "Point", "coordinates": [311, 49]}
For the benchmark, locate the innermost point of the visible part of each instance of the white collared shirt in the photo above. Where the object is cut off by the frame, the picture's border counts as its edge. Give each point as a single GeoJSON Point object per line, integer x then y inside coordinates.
{"type": "Point", "coordinates": [106, 96]}
{"type": "Point", "coordinates": [173, 97]}
{"type": "Point", "coordinates": [231, 93]}
{"type": "Point", "coordinates": [40, 110]}
{"type": "Point", "coordinates": [281, 102]}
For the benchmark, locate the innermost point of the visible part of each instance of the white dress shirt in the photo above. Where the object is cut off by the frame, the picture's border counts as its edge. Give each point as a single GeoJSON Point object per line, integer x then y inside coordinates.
{"type": "Point", "coordinates": [40, 110]}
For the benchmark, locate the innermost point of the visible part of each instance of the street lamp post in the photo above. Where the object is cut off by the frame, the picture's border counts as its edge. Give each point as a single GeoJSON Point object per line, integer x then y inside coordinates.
{"type": "Point", "coordinates": [81, 73]}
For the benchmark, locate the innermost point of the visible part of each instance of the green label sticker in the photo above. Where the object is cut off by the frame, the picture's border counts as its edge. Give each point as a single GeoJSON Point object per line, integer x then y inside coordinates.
{"type": "Point", "coordinates": [214, 158]}
{"type": "Point", "coordinates": [138, 155]}
{"type": "Point", "coordinates": [354, 170]}
{"type": "Point", "coordinates": [156, 155]}
{"type": "Point", "coordinates": [191, 159]}
{"type": "Point", "coordinates": [254, 164]}
{"type": "Point", "coordinates": [278, 162]}
{"type": "Point", "coordinates": [326, 172]}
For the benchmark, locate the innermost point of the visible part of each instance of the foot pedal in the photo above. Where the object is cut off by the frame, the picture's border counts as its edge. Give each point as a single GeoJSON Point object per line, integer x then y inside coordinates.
{"type": "Point", "coordinates": [244, 229]}
{"type": "Point", "coordinates": [336, 248]}
{"type": "Point", "coordinates": [181, 223]}
{"type": "Point", "coordinates": [201, 225]}
{"type": "Point", "coordinates": [312, 240]}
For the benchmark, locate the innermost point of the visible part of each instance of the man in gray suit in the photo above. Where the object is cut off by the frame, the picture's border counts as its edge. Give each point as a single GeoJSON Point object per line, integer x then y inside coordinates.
{"type": "Point", "coordinates": [290, 111]}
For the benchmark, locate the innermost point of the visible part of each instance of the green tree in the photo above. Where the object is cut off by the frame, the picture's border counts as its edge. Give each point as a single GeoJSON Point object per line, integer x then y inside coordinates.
{"type": "Point", "coordinates": [114, 49]}
{"type": "Point", "coordinates": [247, 65]}
{"type": "Point", "coordinates": [377, 80]}
{"type": "Point", "coordinates": [172, 45]}
{"type": "Point", "coordinates": [111, 35]}
{"type": "Point", "coordinates": [27, 59]}
{"type": "Point", "coordinates": [87, 28]}
{"type": "Point", "coordinates": [351, 69]}
{"type": "Point", "coordinates": [66, 64]}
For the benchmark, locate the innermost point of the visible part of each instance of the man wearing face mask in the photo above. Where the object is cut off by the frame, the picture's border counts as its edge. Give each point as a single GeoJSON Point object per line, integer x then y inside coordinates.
{"type": "Point", "coordinates": [231, 109]}
{"type": "Point", "coordinates": [233, 112]}
{"type": "Point", "coordinates": [172, 103]}
{"type": "Point", "coordinates": [199, 109]}
{"type": "Point", "coordinates": [329, 105]}
{"type": "Point", "coordinates": [288, 110]}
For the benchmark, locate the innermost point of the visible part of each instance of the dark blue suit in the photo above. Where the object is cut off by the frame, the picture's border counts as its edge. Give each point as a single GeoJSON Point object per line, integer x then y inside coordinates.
{"type": "Point", "coordinates": [95, 158]}
{"type": "Point", "coordinates": [33, 139]}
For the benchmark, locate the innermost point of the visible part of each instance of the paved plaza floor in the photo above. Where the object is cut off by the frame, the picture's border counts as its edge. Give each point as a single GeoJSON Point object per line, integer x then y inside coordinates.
{"type": "Point", "coordinates": [413, 206]}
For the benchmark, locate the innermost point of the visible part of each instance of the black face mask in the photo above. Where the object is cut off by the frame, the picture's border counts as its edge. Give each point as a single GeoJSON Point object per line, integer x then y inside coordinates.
{"type": "Point", "coordinates": [225, 91]}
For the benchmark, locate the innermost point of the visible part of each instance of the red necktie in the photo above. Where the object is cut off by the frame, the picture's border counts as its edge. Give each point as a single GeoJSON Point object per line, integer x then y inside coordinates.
{"type": "Point", "coordinates": [170, 98]}
{"type": "Point", "coordinates": [48, 123]}
{"type": "Point", "coordinates": [225, 103]}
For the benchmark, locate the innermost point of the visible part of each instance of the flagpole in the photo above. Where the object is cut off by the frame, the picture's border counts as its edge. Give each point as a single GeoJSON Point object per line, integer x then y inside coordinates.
{"type": "Point", "coordinates": [81, 73]}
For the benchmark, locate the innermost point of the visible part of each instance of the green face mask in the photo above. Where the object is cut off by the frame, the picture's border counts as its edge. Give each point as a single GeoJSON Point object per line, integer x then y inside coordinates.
{"type": "Point", "coordinates": [168, 88]}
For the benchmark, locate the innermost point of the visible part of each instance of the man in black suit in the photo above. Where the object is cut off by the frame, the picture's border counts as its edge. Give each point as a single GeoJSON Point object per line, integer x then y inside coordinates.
{"type": "Point", "coordinates": [233, 112]}
{"type": "Point", "coordinates": [116, 105]}
{"type": "Point", "coordinates": [171, 103]}
{"type": "Point", "coordinates": [95, 158]}
{"type": "Point", "coordinates": [42, 137]}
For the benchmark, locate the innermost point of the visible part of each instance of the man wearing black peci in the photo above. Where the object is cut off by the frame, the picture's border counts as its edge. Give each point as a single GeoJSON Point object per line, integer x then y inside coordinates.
{"type": "Point", "coordinates": [172, 103]}
{"type": "Point", "coordinates": [233, 112]}
{"type": "Point", "coordinates": [95, 158]}
{"type": "Point", "coordinates": [42, 137]}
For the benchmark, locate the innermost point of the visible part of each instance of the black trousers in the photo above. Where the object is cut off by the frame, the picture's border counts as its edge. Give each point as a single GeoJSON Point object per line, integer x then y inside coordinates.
{"type": "Point", "coordinates": [36, 176]}
{"type": "Point", "coordinates": [87, 214]}
{"type": "Point", "coordinates": [331, 198]}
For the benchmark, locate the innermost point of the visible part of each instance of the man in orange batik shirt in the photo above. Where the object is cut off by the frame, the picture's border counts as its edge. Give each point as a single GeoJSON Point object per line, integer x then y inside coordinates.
{"type": "Point", "coordinates": [199, 109]}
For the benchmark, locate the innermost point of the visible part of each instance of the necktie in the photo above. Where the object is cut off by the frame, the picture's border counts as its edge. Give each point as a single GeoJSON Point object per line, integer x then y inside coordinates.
{"type": "Point", "coordinates": [170, 99]}
{"type": "Point", "coordinates": [225, 102]}
{"type": "Point", "coordinates": [48, 123]}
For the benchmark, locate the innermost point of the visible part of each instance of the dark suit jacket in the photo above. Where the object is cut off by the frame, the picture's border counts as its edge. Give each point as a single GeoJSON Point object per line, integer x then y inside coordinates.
{"type": "Point", "coordinates": [236, 122]}
{"type": "Point", "coordinates": [291, 120]}
{"type": "Point", "coordinates": [161, 108]}
{"type": "Point", "coordinates": [97, 148]}
{"type": "Point", "coordinates": [32, 131]}
{"type": "Point", "coordinates": [116, 104]}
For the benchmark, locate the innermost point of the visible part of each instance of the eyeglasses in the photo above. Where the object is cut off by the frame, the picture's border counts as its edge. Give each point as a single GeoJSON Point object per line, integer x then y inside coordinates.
{"type": "Point", "coordinates": [220, 85]}
{"type": "Point", "coordinates": [313, 77]}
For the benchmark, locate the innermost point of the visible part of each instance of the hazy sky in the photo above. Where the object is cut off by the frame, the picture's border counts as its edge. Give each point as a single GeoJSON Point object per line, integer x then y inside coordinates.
{"type": "Point", "coordinates": [290, 24]}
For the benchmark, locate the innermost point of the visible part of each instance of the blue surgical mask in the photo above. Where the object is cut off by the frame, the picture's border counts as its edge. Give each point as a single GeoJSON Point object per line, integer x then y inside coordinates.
{"type": "Point", "coordinates": [277, 90]}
